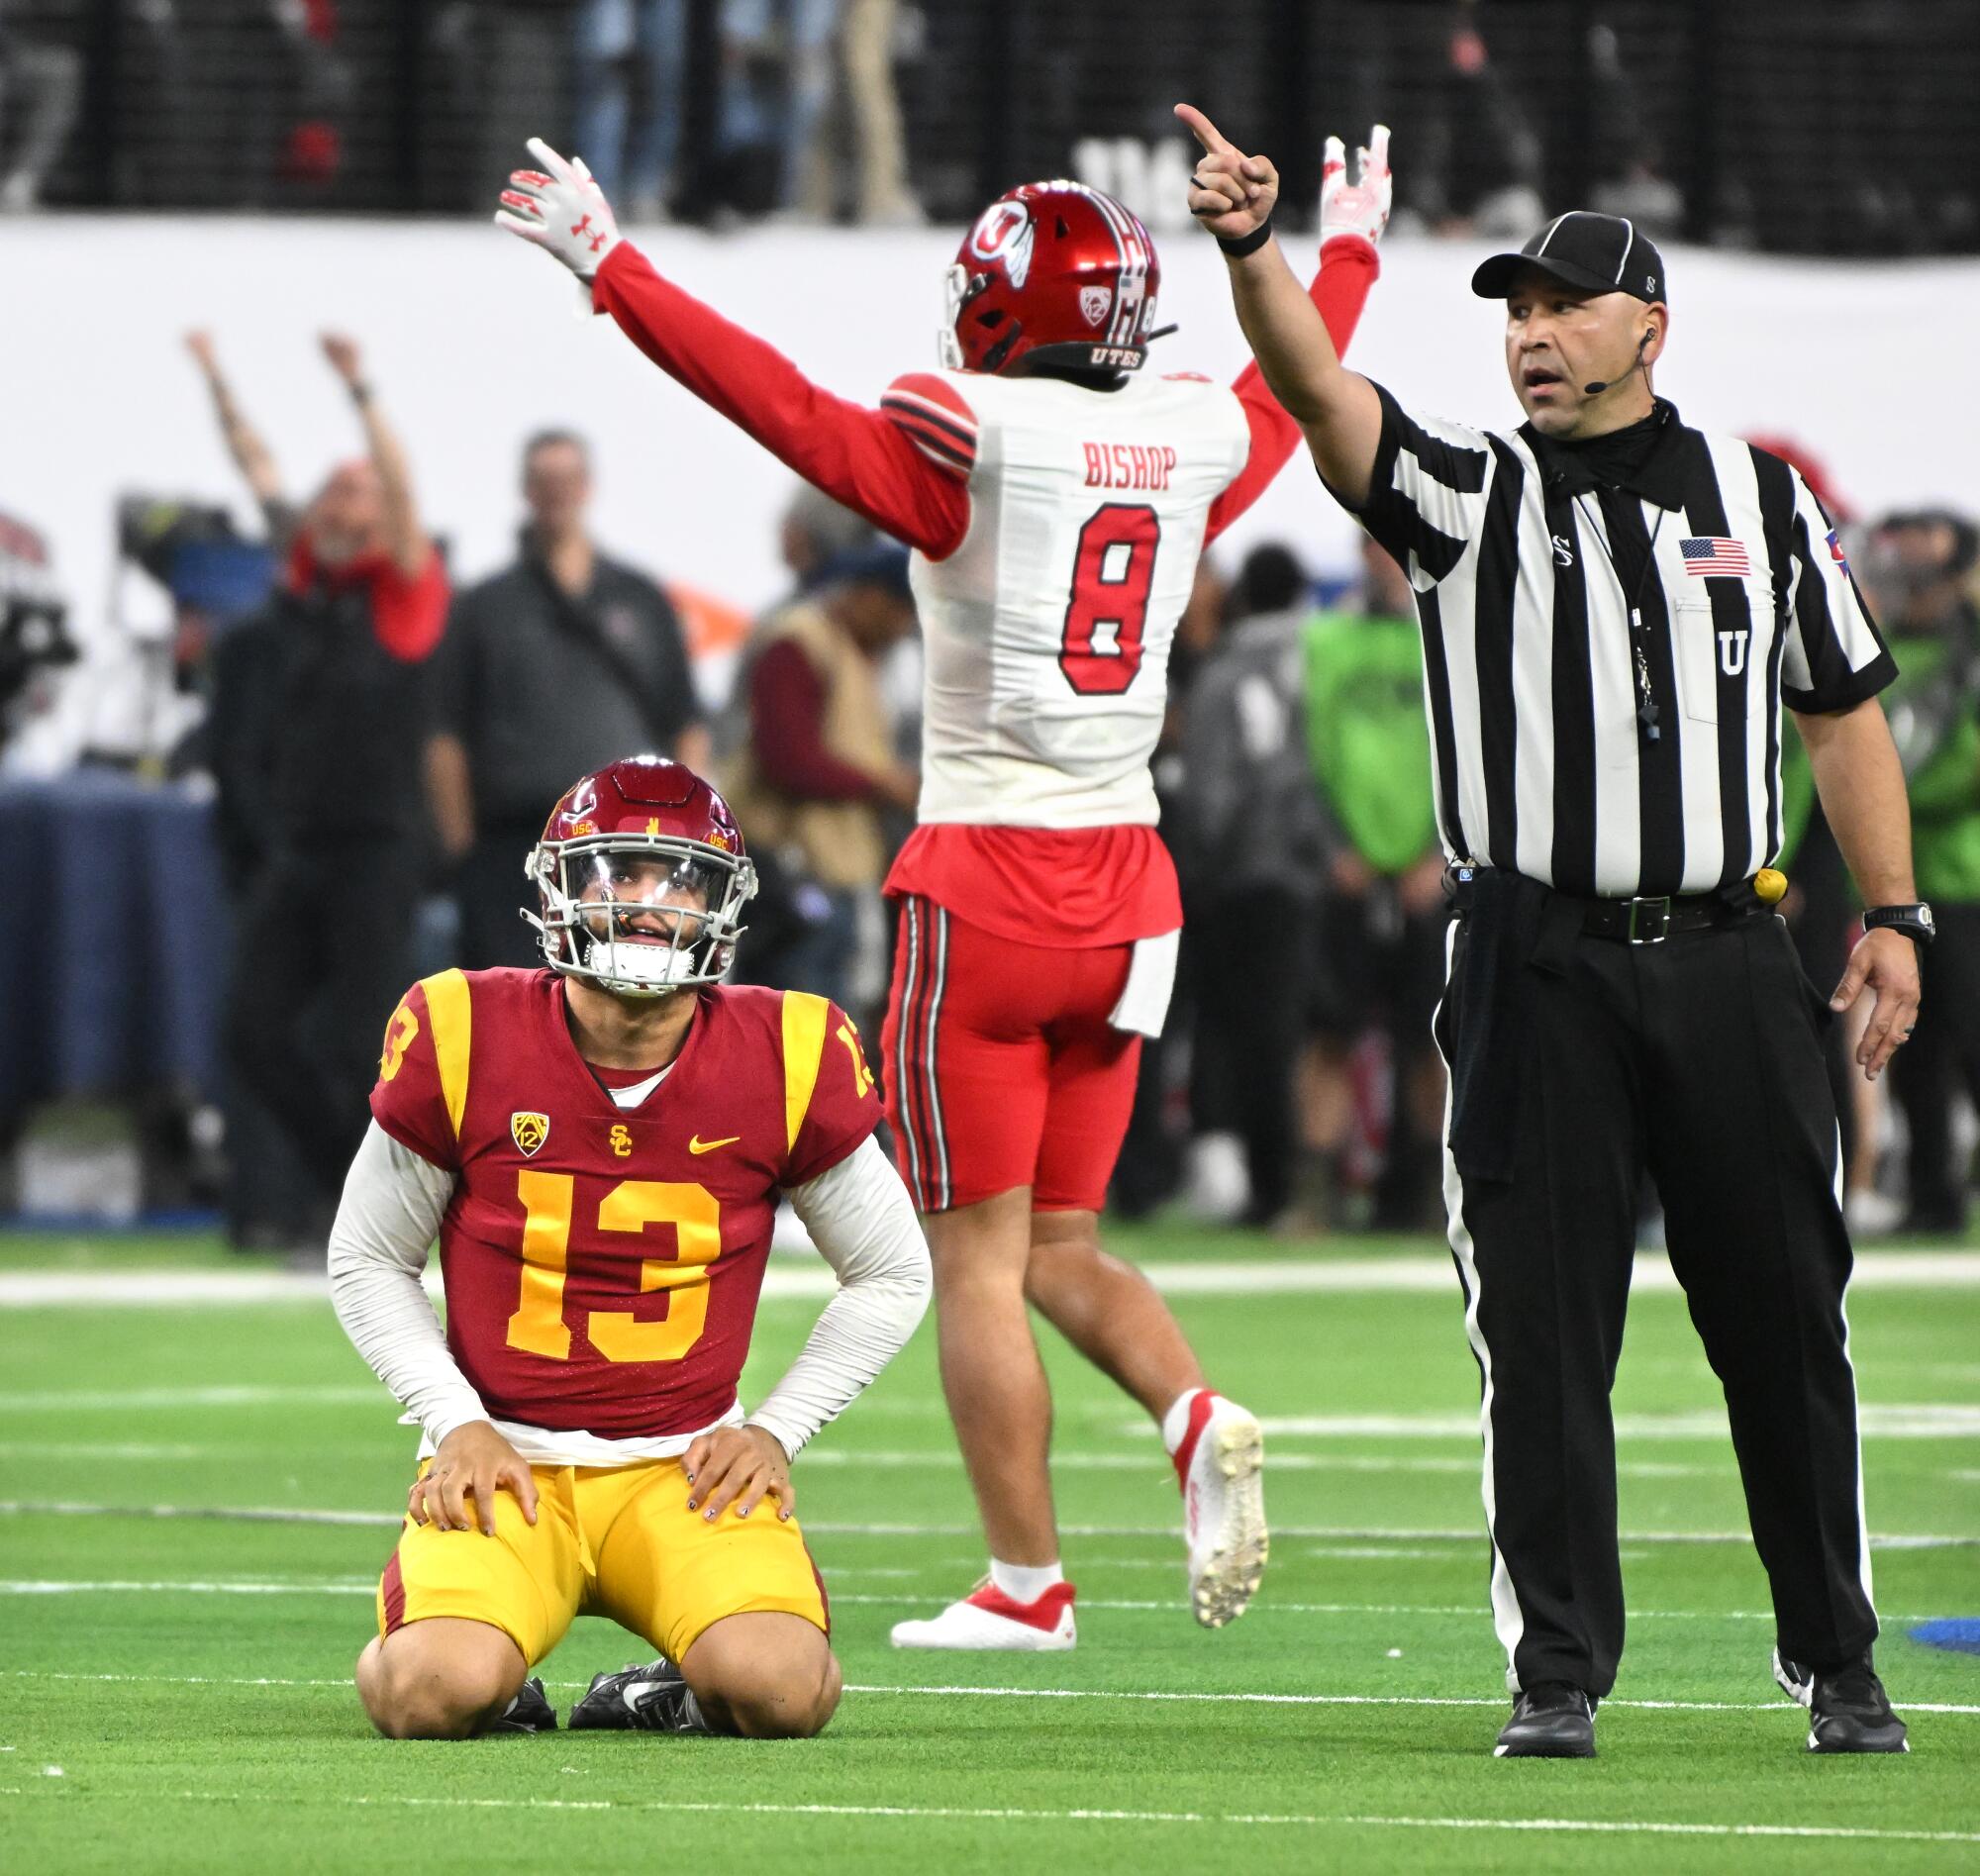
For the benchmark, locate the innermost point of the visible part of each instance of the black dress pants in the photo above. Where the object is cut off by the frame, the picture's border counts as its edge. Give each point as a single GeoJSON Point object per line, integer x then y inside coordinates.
{"type": "Point", "coordinates": [322, 955]}
{"type": "Point", "coordinates": [1698, 1059]}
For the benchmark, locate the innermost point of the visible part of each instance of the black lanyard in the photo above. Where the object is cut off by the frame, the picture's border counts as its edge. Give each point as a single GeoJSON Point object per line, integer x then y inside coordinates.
{"type": "Point", "coordinates": [1646, 702]}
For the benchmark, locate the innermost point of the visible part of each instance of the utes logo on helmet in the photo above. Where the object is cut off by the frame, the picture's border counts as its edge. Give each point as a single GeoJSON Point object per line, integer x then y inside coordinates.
{"type": "Point", "coordinates": [1003, 233]}
{"type": "Point", "coordinates": [1052, 275]}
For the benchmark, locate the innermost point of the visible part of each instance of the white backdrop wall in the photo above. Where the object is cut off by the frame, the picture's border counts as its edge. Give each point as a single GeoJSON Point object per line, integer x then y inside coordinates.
{"type": "Point", "coordinates": [472, 341]}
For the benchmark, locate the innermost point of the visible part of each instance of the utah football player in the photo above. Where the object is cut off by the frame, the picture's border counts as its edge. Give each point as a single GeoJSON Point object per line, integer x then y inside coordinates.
{"type": "Point", "coordinates": [600, 1146]}
{"type": "Point", "coordinates": [1058, 503]}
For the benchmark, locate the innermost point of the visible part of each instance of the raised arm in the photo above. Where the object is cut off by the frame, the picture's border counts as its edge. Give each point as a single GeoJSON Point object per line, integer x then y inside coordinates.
{"type": "Point", "coordinates": [244, 441]}
{"type": "Point", "coordinates": [405, 540]}
{"type": "Point", "coordinates": [1352, 217]}
{"type": "Point", "coordinates": [1232, 195]}
{"type": "Point", "coordinates": [861, 458]}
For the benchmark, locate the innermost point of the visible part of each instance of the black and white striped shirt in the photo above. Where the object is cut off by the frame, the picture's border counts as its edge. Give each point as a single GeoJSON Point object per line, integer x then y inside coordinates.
{"type": "Point", "coordinates": [1525, 580]}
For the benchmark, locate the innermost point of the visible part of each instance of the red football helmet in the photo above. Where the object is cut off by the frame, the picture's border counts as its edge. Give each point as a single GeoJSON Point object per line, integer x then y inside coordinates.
{"type": "Point", "coordinates": [1055, 272]}
{"type": "Point", "coordinates": [641, 878]}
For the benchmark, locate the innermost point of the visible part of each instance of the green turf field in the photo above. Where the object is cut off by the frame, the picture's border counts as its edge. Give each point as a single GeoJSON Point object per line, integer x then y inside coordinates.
{"type": "Point", "coordinates": [174, 1691]}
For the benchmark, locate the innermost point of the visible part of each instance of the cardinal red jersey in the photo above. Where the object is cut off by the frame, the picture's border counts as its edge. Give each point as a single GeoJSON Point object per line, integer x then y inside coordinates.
{"type": "Point", "coordinates": [601, 1265]}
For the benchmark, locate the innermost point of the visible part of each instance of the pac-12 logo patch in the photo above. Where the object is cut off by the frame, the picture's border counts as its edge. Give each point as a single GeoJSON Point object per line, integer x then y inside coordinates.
{"type": "Point", "coordinates": [529, 1131]}
{"type": "Point", "coordinates": [1094, 302]}
{"type": "Point", "coordinates": [1004, 232]}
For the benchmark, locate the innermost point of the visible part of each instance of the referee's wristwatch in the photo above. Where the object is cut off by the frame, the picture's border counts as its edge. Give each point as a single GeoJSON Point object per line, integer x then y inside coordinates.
{"type": "Point", "coordinates": [1914, 921]}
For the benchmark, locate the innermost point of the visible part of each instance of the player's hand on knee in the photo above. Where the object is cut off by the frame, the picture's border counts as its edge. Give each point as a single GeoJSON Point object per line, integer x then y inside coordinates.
{"type": "Point", "coordinates": [560, 206]}
{"type": "Point", "coordinates": [740, 1466]}
{"type": "Point", "coordinates": [473, 1462]}
{"type": "Point", "coordinates": [1231, 194]}
{"type": "Point", "coordinates": [1886, 963]}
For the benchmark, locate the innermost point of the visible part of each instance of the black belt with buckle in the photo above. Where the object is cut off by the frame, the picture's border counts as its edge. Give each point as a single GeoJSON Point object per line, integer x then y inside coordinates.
{"type": "Point", "coordinates": [1648, 921]}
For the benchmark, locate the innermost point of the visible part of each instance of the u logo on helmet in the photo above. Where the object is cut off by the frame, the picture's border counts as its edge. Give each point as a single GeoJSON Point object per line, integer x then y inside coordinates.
{"type": "Point", "coordinates": [1003, 234]}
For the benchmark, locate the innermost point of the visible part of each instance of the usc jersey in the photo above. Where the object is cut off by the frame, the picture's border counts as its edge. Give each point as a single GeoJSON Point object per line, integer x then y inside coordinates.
{"type": "Point", "coordinates": [602, 1265]}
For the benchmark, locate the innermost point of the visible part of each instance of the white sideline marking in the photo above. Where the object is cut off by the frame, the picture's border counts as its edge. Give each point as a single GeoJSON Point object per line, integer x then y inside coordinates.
{"type": "Point", "coordinates": [61, 1400]}
{"type": "Point", "coordinates": [301, 1515]}
{"type": "Point", "coordinates": [1168, 1697]}
{"type": "Point", "coordinates": [1010, 1813]}
{"type": "Point", "coordinates": [1313, 1276]}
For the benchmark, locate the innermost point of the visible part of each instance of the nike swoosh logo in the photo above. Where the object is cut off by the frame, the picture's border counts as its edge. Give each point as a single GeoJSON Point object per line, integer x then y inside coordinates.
{"type": "Point", "coordinates": [699, 1145]}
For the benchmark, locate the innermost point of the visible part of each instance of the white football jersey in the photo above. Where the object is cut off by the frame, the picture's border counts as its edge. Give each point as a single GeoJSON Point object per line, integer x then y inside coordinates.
{"type": "Point", "coordinates": [1047, 632]}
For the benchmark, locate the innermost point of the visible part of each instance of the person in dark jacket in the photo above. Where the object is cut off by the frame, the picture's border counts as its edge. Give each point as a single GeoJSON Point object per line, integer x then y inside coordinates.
{"type": "Point", "coordinates": [319, 722]}
{"type": "Point", "coordinates": [561, 662]}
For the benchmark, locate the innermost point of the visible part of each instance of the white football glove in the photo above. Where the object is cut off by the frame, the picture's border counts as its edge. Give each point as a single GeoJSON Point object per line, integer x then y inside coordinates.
{"type": "Point", "coordinates": [1358, 208]}
{"type": "Point", "coordinates": [561, 209]}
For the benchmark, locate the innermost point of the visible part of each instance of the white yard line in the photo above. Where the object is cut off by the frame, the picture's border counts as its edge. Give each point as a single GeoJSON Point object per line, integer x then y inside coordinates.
{"type": "Point", "coordinates": [303, 1515]}
{"type": "Point", "coordinates": [900, 1599]}
{"type": "Point", "coordinates": [1158, 1696]}
{"type": "Point", "coordinates": [1010, 1813]}
{"type": "Point", "coordinates": [1409, 1274]}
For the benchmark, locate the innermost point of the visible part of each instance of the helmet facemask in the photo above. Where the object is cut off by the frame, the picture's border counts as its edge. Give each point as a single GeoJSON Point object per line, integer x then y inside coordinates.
{"type": "Point", "coordinates": [639, 915]}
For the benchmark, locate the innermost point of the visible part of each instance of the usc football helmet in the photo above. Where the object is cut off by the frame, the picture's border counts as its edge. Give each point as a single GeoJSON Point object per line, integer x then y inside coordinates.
{"type": "Point", "coordinates": [641, 879]}
{"type": "Point", "coordinates": [1053, 274]}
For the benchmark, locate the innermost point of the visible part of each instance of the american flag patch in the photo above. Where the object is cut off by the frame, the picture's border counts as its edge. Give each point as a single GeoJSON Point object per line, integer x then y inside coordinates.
{"type": "Point", "coordinates": [1835, 552]}
{"type": "Point", "coordinates": [1715, 556]}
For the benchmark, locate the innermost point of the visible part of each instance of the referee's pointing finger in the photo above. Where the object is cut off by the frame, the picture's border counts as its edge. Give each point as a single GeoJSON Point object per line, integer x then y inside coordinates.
{"type": "Point", "coordinates": [1205, 132]}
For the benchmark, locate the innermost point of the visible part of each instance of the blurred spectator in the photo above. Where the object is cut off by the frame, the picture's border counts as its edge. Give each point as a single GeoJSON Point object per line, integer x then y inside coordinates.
{"type": "Point", "coordinates": [1627, 162]}
{"type": "Point", "coordinates": [818, 768]}
{"type": "Point", "coordinates": [318, 720]}
{"type": "Point", "coordinates": [40, 87]}
{"type": "Point", "coordinates": [34, 626]}
{"type": "Point", "coordinates": [1255, 842]}
{"type": "Point", "coordinates": [1379, 955]}
{"type": "Point", "coordinates": [1475, 157]}
{"type": "Point", "coordinates": [1161, 1148]}
{"type": "Point", "coordinates": [866, 53]}
{"type": "Point", "coordinates": [246, 447]}
{"type": "Point", "coordinates": [1920, 569]}
{"type": "Point", "coordinates": [777, 59]}
{"type": "Point", "coordinates": [560, 663]}
{"type": "Point", "coordinates": [817, 530]}
{"type": "Point", "coordinates": [630, 57]}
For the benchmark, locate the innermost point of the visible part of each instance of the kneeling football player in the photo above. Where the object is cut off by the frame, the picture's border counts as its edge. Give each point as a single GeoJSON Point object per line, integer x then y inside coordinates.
{"type": "Point", "coordinates": [600, 1146]}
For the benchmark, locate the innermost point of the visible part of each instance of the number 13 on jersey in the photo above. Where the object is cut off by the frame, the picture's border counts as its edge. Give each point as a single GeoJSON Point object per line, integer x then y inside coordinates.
{"type": "Point", "coordinates": [1112, 572]}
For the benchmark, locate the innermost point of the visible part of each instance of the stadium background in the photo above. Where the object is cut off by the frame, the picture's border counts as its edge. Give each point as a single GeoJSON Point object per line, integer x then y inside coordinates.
{"type": "Point", "coordinates": [272, 170]}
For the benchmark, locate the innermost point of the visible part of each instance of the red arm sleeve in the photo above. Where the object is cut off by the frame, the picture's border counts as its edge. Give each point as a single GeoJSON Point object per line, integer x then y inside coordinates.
{"type": "Point", "coordinates": [857, 456]}
{"type": "Point", "coordinates": [1349, 266]}
{"type": "Point", "coordinates": [409, 615]}
{"type": "Point", "coordinates": [786, 718]}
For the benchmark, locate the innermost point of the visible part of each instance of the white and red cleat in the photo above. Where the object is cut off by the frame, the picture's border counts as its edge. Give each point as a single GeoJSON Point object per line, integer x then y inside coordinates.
{"type": "Point", "coordinates": [988, 1618]}
{"type": "Point", "coordinates": [1219, 1463]}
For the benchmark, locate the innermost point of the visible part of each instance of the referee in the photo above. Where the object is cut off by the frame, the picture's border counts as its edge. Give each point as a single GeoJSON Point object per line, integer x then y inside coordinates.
{"type": "Point", "coordinates": [1614, 608]}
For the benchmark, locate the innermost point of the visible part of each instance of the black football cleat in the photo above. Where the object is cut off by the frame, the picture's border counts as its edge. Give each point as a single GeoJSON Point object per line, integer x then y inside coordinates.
{"type": "Point", "coordinates": [530, 1712]}
{"type": "Point", "coordinates": [651, 1699]}
{"type": "Point", "coordinates": [1555, 1720]}
{"type": "Point", "coordinates": [1847, 1708]}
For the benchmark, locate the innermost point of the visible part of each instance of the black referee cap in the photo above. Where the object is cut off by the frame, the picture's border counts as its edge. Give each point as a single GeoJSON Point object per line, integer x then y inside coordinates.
{"type": "Point", "coordinates": [1601, 253]}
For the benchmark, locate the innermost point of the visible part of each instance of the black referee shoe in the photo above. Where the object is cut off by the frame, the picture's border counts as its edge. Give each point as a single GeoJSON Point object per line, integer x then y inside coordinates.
{"type": "Point", "coordinates": [1555, 1720]}
{"type": "Point", "coordinates": [530, 1712]}
{"type": "Point", "coordinates": [651, 1699]}
{"type": "Point", "coordinates": [1847, 1708]}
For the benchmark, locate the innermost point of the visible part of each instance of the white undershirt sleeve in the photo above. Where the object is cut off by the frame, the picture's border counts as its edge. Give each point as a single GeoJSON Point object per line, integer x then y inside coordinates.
{"type": "Point", "coordinates": [390, 1210]}
{"type": "Point", "coordinates": [864, 1222]}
